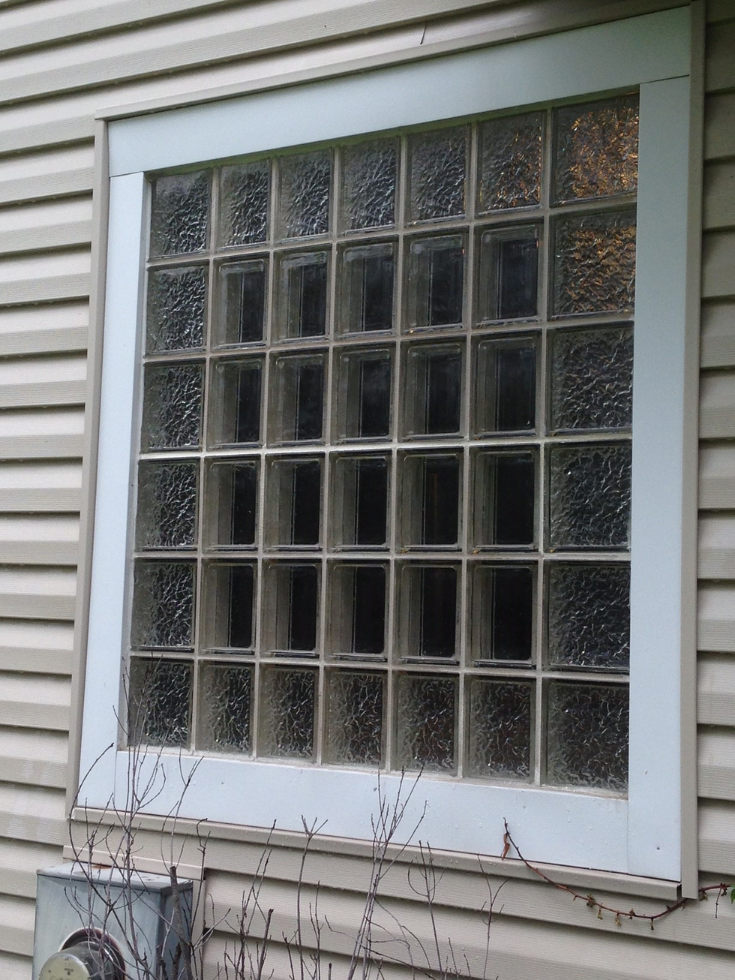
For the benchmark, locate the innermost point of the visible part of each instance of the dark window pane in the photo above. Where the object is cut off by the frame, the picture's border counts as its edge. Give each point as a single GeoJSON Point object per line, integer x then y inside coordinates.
{"type": "Point", "coordinates": [244, 496]}
{"type": "Point", "coordinates": [368, 624]}
{"type": "Point", "coordinates": [440, 518]}
{"type": "Point", "coordinates": [445, 286]}
{"type": "Point", "coordinates": [247, 428]}
{"type": "Point", "coordinates": [241, 606]}
{"type": "Point", "coordinates": [377, 292]}
{"type": "Point", "coordinates": [302, 608]}
{"type": "Point", "coordinates": [443, 388]}
{"type": "Point", "coordinates": [309, 401]}
{"type": "Point", "coordinates": [305, 494]}
{"type": "Point", "coordinates": [515, 388]}
{"type": "Point", "coordinates": [512, 613]}
{"type": "Point", "coordinates": [247, 293]}
{"type": "Point", "coordinates": [374, 397]}
{"type": "Point", "coordinates": [513, 500]}
{"type": "Point", "coordinates": [438, 611]}
{"type": "Point", "coordinates": [517, 278]}
{"type": "Point", "coordinates": [313, 299]}
{"type": "Point", "coordinates": [372, 501]}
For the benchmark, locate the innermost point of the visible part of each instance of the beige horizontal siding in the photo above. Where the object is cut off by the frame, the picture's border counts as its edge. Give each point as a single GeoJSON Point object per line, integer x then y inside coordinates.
{"type": "Point", "coordinates": [718, 334]}
{"type": "Point", "coordinates": [719, 131]}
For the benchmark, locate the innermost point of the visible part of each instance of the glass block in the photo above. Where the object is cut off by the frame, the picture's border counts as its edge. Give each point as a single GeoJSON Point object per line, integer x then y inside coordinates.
{"type": "Point", "coordinates": [366, 288]}
{"type": "Point", "coordinates": [509, 273]}
{"type": "Point", "coordinates": [505, 386]}
{"type": "Point", "coordinates": [235, 402]}
{"type": "Point", "coordinates": [230, 593]}
{"type": "Point", "coordinates": [360, 501]}
{"type": "Point", "coordinates": [302, 295]}
{"type": "Point", "coordinates": [180, 214]}
{"type": "Point", "coordinates": [225, 708]}
{"type": "Point", "coordinates": [232, 495]}
{"type": "Point", "coordinates": [436, 282]}
{"type": "Point", "coordinates": [425, 722]}
{"type": "Point", "coordinates": [163, 605]}
{"type": "Point", "coordinates": [290, 619]}
{"type": "Point", "coordinates": [596, 149]}
{"type": "Point", "coordinates": [589, 496]}
{"type": "Point", "coordinates": [159, 703]}
{"type": "Point", "coordinates": [369, 181]}
{"type": "Point", "coordinates": [431, 500]}
{"type": "Point", "coordinates": [172, 407]}
{"type": "Point", "coordinates": [438, 164]}
{"type": "Point", "coordinates": [363, 403]}
{"type": "Point", "coordinates": [500, 729]}
{"type": "Point", "coordinates": [167, 505]}
{"type": "Point", "coordinates": [305, 183]}
{"type": "Point", "coordinates": [293, 503]}
{"type": "Point", "coordinates": [588, 735]}
{"type": "Point", "coordinates": [505, 500]}
{"type": "Point", "coordinates": [428, 608]}
{"type": "Point", "coordinates": [298, 390]}
{"type": "Point", "coordinates": [357, 595]}
{"type": "Point", "coordinates": [589, 615]}
{"type": "Point", "coordinates": [433, 390]}
{"type": "Point", "coordinates": [176, 304]}
{"type": "Point", "coordinates": [242, 292]}
{"type": "Point", "coordinates": [288, 702]}
{"type": "Point", "coordinates": [510, 162]}
{"type": "Point", "coordinates": [594, 263]}
{"type": "Point", "coordinates": [503, 600]}
{"type": "Point", "coordinates": [592, 379]}
{"type": "Point", "coordinates": [355, 718]}
{"type": "Point", "coordinates": [244, 194]}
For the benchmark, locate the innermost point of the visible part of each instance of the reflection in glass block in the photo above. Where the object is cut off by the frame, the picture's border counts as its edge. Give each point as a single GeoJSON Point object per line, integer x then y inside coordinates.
{"type": "Point", "coordinates": [596, 149]}
{"type": "Point", "coordinates": [172, 407]}
{"type": "Point", "coordinates": [589, 615]}
{"type": "Point", "coordinates": [592, 379]}
{"type": "Point", "coordinates": [357, 595]}
{"type": "Point", "coordinates": [242, 302]}
{"type": "Point", "coordinates": [364, 394]}
{"type": "Point", "coordinates": [244, 192]}
{"type": "Point", "coordinates": [292, 594]}
{"type": "Point", "coordinates": [510, 162]}
{"type": "Point", "coordinates": [369, 178]}
{"type": "Point", "coordinates": [589, 496]}
{"type": "Point", "coordinates": [428, 611]}
{"type": "Point", "coordinates": [436, 282]}
{"type": "Point", "coordinates": [588, 735]}
{"type": "Point", "coordinates": [506, 386]}
{"type": "Point", "coordinates": [225, 708]}
{"type": "Point", "coordinates": [508, 287]}
{"type": "Point", "coordinates": [303, 295]}
{"type": "Point", "coordinates": [233, 493]}
{"type": "Point", "coordinates": [425, 715]}
{"type": "Point", "coordinates": [304, 188]}
{"type": "Point", "coordinates": [505, 499]}
{"type": "Point", "coordinates": [167, 505]}
{"type": "Point", "coordinates": [180, 214]}
{"type": "Point", "coordinates": [360, 501]}
{"type": "Point", "coordinates": [159, 703]}
{"type": "Point", "coordinates": [437, 174]}
{"type": "Point", "coordinates": [163, 605]}
{"type": "Point", "coordinates": [431, 500]}
{"type": "Point", "coordinates": [503, 604]}
{"type": "Point", "coordinates": [293, 502]}
{"type": "Point", "coordinates": [500, 722]}
{"type": "Point", "coordinates": [433, 390]}
{"type": "Point", "coordinates": [366, 288]}
{"type": "Point", "coordinates": [176, 302]}
{"type": "Point", "coordinates": [355, 718]}
{"type": "Point", "coordinates": [287, 712]}
{"type": "Point", "coordinates": [299, 398]}
{"type": "Point", "coordinates": [594, 263]}
{"type": "Point", "coordinates": [230, 596]}
{"type": "Point", "coordinates": [235, 402]}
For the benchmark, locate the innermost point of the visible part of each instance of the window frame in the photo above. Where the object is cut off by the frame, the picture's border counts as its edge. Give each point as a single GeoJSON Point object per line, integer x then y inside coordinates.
{"type": "Point", "coordinates": [639, 835]}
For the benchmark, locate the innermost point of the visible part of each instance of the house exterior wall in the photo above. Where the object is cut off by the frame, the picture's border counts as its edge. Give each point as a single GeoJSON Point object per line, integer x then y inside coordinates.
{"type": "Point", "coordinates": [60, 62]}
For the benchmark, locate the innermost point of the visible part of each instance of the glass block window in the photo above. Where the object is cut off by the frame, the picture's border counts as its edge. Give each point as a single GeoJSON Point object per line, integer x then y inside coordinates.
{"type": "Point", "coordinates": [384, 469]}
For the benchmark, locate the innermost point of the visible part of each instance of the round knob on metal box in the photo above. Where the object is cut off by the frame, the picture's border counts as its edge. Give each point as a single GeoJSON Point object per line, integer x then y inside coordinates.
{"type": "Point", "coordinates": [84, 960]}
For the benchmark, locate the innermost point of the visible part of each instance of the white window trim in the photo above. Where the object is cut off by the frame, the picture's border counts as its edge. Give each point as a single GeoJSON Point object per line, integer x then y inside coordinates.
{"type": "Point", "coordinates": [638, 835]}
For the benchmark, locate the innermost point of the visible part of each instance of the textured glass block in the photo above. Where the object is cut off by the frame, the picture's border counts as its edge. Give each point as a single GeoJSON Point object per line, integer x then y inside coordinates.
{"type": "Point", "coordinates": [357, 594]}
{"type": "Point", "coordinates": [366, 280]}
{"type": "Point", "coordinates": [163, 605]}
{"type": "Point", "coordinates": [230, 594]}
{"type": "Point", "coordinates": [293, 503]}
{"type": "Point", "coordinates": [363, 409]}
{"type": "Point", "coordinates": [291, 615]}
{"type": "Point", "coordinates": [225, 708]}
{"type": "Point", "coordinates": [505, 386]}
{"type": "Point", "coordinates": [596, 149]}
{"type": "Point", "coordinates": [172, 407]}
{"type": "Point", "coordinates": [180, 213]}
{"type": "Point", "coordinates": [500, 729]}
{"type": "Point", "coordinates": [431, 500]}
{"type": "Point", "coordinates": [242, 292]}
{"type": "Point", "coordinates": [438, 163]}
{"type": "Point", "coordinates": [297, 413]}
{"type": "Point", "coordinates": [510, 162]}
{"type": "Point", "coordinates": [433, 390]}
{"type": "Point", "coordinates": [288, 700]}
{"type": "Point", "coordinates": [503, 600]}
{"type": "Point", "coordinates": [436, 282]}
{"type": "Point", "coordinates": [588, 735]}
{"type": "Point", "coordinates": [302, 295]}
{"type": "Point", "coordinates": [244, 193]}
{"type": "Point", "coordinates": [592, 379]}
{"type": "Point", "coordinates": [589, 615]}
{"type": "Point", "coordinates": [369, 180]}
{"type": "Point", "coordinates": [589, 496]}
{"type": "Point", "coordinates": [425, 722]}
{"type": "Point", "coordinates": [305, 183]}
{"type": "Point", "coordinates": [176, 304]}
{"type": "Point", "coordinates": [159, 703]}
{"type": "Point", "coordinates": [232, 492]}
{"type": "Point", "coordinates": [509, 273]}
{"type": "Point", "coordinates": [360, 501]}
{"type": "Point", "coordinates": [235, 402]}
{"type": "Point", "coordinates": [505, 500]}
{"type": "Point", "coordinates": [428, 611]}
{"type": "Point", "coordinates": [355, 718]}
{"type": "Point", "coordinates": [594, 263]}
{"type": "Point", "coordinates": [167, 505]}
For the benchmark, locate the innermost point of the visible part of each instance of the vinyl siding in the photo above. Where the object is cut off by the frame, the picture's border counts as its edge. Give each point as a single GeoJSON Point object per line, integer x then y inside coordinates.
{"type": "Point", "coordinates": [60, 61]}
